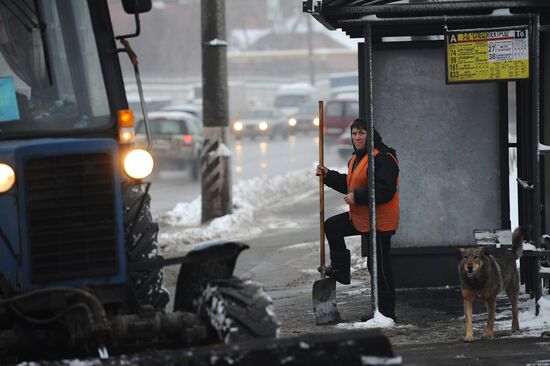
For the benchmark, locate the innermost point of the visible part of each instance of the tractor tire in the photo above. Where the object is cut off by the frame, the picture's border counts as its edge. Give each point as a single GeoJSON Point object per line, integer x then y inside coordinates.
{"type": "Point", "coordinates": [142, 246]}
{"type": "Point", "coordinates": [237, 310]}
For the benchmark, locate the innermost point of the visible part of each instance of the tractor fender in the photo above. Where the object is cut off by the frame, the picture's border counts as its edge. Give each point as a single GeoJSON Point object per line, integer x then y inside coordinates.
{"type": "Point", "coordinates": [207, 262]}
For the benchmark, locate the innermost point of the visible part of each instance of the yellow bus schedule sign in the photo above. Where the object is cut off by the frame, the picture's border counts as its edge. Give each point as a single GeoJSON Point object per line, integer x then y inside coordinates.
{"type": "Point", "coordinates": [487, 55]}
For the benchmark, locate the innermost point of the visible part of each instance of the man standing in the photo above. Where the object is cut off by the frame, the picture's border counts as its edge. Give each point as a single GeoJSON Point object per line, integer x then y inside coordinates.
{"type": "Point", "coordinates": [354, 186]}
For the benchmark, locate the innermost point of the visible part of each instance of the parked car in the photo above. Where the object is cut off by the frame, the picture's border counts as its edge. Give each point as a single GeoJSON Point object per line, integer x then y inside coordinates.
{"type": "Point", "coordinates": [262, 121]}
{"type": "Point", "coordinates": [305, 119]}
{"type": "Point", "coordinates": [339, 113]}
{"type": "Point", "coordinates": [176, 140]}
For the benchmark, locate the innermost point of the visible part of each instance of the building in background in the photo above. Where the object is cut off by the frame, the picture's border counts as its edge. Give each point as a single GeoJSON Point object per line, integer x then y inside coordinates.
{"type": "Point", "coordinates": [267, 47]}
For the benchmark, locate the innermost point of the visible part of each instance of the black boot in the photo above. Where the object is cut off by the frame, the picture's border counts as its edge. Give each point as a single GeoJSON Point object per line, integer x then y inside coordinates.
{"type": "Point", "coordinates": [339, 268]}
{"type": "Point", "coordinates": [386, 306]}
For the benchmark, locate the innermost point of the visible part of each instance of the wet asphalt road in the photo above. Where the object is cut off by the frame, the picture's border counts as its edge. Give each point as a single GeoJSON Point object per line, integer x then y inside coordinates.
{"type": "Point", "coordinates": [249, 158]}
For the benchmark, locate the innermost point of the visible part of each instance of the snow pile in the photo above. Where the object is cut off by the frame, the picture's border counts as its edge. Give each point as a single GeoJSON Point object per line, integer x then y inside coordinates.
{"type": "Point", "coordinates": [378, 321]}
{"type": "Point", "coordinates": [529, 323]}
{"type": "Point", "coordinates": [183, 221]}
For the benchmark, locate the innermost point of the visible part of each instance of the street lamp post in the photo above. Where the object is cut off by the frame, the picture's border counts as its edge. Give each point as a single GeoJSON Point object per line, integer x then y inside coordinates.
{"type": "Point", "coordinates": [215, 156]}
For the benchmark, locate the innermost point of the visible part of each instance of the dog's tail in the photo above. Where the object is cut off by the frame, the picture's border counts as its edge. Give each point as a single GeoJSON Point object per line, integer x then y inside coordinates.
{"type": "Point", "coordinates": [517, 242]}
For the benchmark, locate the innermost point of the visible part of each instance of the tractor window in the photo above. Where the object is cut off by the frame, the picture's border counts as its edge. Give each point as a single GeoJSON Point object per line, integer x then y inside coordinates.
{"type": "Point", "coordinates": [50, 55]}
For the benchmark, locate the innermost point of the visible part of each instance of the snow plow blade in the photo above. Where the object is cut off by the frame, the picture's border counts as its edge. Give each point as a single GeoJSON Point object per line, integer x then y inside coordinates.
{"type": "Point", "coordinates": [358, 347]}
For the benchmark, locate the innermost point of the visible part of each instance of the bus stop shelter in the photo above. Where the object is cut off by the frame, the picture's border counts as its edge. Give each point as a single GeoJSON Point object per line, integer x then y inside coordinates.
{"type": "Point", "coordinates": [458, 89]}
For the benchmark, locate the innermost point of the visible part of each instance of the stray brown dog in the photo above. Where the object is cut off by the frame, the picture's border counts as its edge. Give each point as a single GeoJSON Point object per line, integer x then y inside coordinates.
{"type": "Point", "coordinates": [484, 275]}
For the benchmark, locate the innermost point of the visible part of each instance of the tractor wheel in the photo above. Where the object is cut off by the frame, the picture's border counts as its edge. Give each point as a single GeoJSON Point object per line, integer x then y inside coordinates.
{"type": "Point", "coordinates": [142, 246]}
{"type": "Point", "coordinates": [237, 310]}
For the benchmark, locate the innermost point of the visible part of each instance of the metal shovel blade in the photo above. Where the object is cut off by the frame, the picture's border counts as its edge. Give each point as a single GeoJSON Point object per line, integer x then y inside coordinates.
{"type": "Point", "coordinates": [324, 302]}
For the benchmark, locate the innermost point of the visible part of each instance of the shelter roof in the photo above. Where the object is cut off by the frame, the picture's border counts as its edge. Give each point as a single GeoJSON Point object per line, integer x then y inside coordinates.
{"type": "Point", "coordinates": [407, 18]}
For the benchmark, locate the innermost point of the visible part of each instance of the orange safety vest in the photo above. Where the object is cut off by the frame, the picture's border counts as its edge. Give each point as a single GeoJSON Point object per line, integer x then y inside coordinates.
{"type": "Point", "coordinates": [387, 214]}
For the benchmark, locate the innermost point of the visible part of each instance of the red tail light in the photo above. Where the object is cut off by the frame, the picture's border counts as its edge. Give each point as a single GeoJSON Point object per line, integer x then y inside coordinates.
{"type": "Point", "coordinates": [187, 140]}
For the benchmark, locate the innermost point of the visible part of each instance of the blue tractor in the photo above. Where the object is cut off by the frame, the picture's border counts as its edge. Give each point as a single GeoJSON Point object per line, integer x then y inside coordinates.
{"type": "Point", "coordinates": [80, 268]}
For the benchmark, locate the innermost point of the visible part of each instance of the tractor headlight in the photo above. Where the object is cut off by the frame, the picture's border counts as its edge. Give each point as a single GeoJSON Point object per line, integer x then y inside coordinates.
{"type": "Point", "coordinates": [292, 122]}
{"type": "Point", "coordinates": [262, 126]}
{"type": "Point", "coordinates": [316, 121]}
{"type": "Point", "coordinates": [7, 177]}
{"type": "Point", "coordinates": [138, 164]}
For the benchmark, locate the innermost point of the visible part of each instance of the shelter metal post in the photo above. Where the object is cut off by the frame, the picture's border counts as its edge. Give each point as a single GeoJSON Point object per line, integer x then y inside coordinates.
{"type": "Point", "coordinates": [370, 150]}
{"type": "Point", "coordinates": [535, 131]}
{"type": "Point", "coordinates": [535, 136]}
{"type": "Point", "coordinates": [504, 156]}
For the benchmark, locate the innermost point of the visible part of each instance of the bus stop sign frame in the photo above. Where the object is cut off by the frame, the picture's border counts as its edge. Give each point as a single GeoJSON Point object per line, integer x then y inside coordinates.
{"type": "Point", "coordinates": [475, 55]}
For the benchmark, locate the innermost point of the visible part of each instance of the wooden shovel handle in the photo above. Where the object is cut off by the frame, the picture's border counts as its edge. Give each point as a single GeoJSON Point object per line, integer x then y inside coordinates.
{"type": "Point", "coordinates": [321, 189]}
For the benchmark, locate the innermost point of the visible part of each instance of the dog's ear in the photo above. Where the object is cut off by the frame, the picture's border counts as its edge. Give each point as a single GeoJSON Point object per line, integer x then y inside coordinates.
{"type": "Point", "coordinates": [484, 251]}
{"type": "Point", "coordinates": [459, 253]}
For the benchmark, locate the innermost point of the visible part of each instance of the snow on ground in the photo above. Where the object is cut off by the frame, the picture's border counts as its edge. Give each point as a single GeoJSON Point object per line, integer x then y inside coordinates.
{"type": "Point", "coordinates": [529, 323]}
{"type": "Point", "coordinates": [378, 321]}
{"type": "Point", "coordinates": [248, 196]}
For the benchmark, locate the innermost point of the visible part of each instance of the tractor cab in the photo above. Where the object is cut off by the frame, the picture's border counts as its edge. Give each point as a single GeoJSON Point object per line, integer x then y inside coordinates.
{"type": "Point", "coordinates": [57, 74]}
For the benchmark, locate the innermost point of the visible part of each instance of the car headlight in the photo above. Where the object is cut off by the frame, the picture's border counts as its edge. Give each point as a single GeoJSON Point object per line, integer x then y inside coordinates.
{"type": "Point", "coordinates": [262, 126]}
{"type": "Point", "coordinates": [316, 121]}
{"type": "Point", "coordinates": [238, 126]}
{"type": "Point", "coordinates": [7, 177]}
{"type": "Point", "coordinates": [292, 121]}
{"type": "Point", "coordinates": [138, 164]}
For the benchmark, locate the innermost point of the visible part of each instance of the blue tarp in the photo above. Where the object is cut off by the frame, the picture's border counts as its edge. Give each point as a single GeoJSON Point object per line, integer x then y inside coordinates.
{"type": "Point", "coordinates": [8, 100]}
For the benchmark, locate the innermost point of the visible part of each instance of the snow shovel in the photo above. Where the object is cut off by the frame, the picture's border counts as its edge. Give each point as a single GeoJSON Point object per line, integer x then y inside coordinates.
{"type": "Point", "coordinates": [324, 290]}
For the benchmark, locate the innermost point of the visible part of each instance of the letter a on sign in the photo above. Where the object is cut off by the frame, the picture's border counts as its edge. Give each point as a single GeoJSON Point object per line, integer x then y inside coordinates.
{"type": "Point", "coordinates": [453, 38]}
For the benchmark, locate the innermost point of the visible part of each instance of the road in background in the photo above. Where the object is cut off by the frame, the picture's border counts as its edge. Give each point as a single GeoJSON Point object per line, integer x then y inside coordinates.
{"type": "Point", "coordinates": [250, 158]}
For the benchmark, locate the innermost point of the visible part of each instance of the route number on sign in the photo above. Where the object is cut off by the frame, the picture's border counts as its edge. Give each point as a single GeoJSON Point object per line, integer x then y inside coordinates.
{"type": "Point", "coordinates": [485, 55]}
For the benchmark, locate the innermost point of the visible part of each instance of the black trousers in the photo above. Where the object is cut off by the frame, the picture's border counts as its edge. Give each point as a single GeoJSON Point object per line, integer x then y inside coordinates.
{"type": "Point", "coordinates": [339, 226]}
